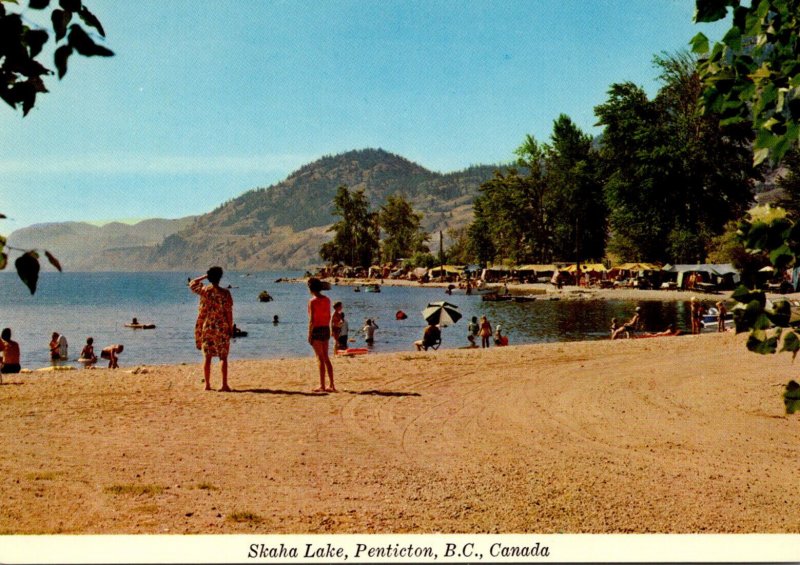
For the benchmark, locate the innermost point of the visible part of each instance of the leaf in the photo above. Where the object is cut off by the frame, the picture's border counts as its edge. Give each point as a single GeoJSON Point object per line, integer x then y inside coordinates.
{"type": "Point", "coordinates": [84, 45]}
{"type": "Point", "coordinates": [712, 10]}
{"type": "Point", "coordinates": [70, 5]}
{"type": "Point", "coordinates": [61, 56]}
{"type": "Point", "coordinates": [91, 20]}
{"type": "Point", "coordinates": [35, 38]}
{"type": "Point", "coordinates": [791, 397]}
{"type": "Point", "coordinates": [38, 4]}
{"type": "Point", "coordinates": [791, 343]}
{"type": "Point", "coordinates": [3, 261]}
{"type": "Point", "coordinates": [28, 269]}
{"type": "Point", "coordinates": [745, 296]}
{"type": "Point", "coordinates": [780, 313]}
{"type": "Point", "coordinates": [55, 262]}
{"type": "Point", "coordinates": [699, 44]}
{"type": "Point", "coordinates": [3, 216]}
{"type": "Point", "coordinates": [60, 20]}
{"type": "Point", "coordinates": [760, 342]}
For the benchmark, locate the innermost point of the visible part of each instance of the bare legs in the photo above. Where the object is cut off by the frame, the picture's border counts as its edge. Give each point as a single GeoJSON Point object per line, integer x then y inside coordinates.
{"type": "Point", "coordinates": [324, 363]}
{"type": "Point", "coordinates": [223, 363]}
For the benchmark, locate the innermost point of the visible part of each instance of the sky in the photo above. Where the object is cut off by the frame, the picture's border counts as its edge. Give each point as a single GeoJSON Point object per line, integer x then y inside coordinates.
{"type": "Point", "coordinates": [205, 100]}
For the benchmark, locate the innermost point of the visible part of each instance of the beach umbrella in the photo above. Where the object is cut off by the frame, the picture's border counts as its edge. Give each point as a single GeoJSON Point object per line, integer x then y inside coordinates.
{"type": "Point", "coordinates": [441, 313]}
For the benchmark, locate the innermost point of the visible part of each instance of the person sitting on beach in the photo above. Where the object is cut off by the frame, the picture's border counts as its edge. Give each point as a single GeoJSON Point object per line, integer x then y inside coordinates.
{"type": "Point", "coordinates": [431, 337]}
{"type": "Point", "coordinates": [614, 326]}
{"type": "Point", "coordinates": [58, 347]}
{"type": "Point", "coordinates": [499, 339]}
{"type": "Point", "coordinates": [10, 350]}
{"type": "Point", "coordinates": [629, 326]}
{"type": "Point", "coordinates": [88, 358]}
{"type": "Point", "coordinates": [111, 353]}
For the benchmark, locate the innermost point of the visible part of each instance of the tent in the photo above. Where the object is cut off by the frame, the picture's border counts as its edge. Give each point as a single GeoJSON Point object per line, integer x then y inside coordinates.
{"type": "Point", "coordinates": [717, 271]}
{"type": "Point", "coordinates": [637, 267]}
{"type": "Point", "coordinates": [586, 267]}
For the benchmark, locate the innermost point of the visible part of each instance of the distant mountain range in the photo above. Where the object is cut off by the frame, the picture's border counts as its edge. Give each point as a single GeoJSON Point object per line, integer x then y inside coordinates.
{"type": "Point", "coordinates": [282, 226]}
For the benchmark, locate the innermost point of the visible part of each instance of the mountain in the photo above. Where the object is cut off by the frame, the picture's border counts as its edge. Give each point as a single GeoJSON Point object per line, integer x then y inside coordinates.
{"type": "Point", "coordinates": [80, 246]}
{"type": "Point", "coordinates": [281, 226]}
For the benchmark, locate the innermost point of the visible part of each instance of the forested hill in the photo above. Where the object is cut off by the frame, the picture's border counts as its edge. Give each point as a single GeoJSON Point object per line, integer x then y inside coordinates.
{"type": "Point", "coordinates": [284, 225]}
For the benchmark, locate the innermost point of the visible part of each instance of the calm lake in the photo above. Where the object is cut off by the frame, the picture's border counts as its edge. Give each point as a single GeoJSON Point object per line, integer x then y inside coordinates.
{"type": "Point", "coordinates": [99, 304]}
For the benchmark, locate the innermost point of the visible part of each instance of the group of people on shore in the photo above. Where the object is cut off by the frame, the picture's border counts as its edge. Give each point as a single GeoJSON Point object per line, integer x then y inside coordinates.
{"type": "Point", "coordinates": [340, 329]}
{"type": "Point", "coordinates": [59, 352]}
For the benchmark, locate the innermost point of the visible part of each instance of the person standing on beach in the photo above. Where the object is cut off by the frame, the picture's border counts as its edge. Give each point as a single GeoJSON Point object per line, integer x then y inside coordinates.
{"type": "Point", "coordinates": [10, 350]}
{"type": "Point", "coordinates": [485, 331]}
{"type": "Point", "coordinates": [696, 314]}
{"type": "Point", "coordinates": [214, 326]}
{"type": "Point", "coordinates": [337, 319]}
{"type": "Point", "coordinates": [344, 334]}
{"type": "Point", "coordinates": [722, 311]}
{"type": "Point", "coordinates": [319, 332]}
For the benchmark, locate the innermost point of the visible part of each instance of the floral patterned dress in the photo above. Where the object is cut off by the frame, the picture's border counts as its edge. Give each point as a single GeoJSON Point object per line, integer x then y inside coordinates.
{"type": "Point", "coordinates": [212, 332]}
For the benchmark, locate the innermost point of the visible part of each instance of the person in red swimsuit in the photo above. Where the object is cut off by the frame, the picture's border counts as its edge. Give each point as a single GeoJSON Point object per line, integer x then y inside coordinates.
{"type": "Point", "coordinates": [319, 332]}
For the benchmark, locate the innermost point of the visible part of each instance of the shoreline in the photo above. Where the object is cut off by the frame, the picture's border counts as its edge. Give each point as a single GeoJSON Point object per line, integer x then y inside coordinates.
{"type": "Point", "coordinates": [546, 291]}
{"type": "Point", "coordinates": [670, 435]}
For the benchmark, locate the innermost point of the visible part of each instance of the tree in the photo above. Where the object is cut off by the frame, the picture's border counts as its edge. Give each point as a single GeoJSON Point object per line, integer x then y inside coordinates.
{"type": "Point", "coordinates": [672, 175]}
{"type": "Point", "coordinates": [460, 250]}
{"type": "Point", "coordinates": [574, 202]}
{"type": "Point", "coordinates": [402, 226]}
{"type": "Point", "coordinates": [355, 240]}
{"type": "Point", "coordinates": [752, 76]}
{"type": "Point", "coordinates": [21, 79]}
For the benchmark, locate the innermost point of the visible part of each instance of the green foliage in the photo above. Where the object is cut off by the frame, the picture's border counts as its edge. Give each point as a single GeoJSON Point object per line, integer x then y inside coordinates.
{"type": "Point", "coordinates": [421, 259]}
{"type": "Point", "coordinates": [671, 175]}
{"type": "Point", "coordinates": [769, 232]}
{"type": "Point", "coordinates": [791, 397]}
{"type": "Point", "coordinates": [355, 240]}
{"type": "Point", "coordinates": [752, 76]}
{"type": "Point", "coordinates": [402, 228]}
{"type": "Point", "coordinates": [460, 251]}
{"type": "Point", "coordinates": [21, 74]}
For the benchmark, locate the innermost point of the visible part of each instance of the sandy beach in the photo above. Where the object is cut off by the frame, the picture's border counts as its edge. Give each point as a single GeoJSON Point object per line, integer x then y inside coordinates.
{"type": "Point", "coordinates": [682, 434]}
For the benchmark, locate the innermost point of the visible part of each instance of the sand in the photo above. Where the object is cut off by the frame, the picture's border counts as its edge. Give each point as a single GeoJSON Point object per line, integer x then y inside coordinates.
{"type": "Point", "coordinates": [681, 434]}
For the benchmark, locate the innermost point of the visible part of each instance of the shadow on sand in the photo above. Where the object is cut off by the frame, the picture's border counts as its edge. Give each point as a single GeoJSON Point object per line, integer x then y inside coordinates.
{"type": "Point", "coordinates": [303, 393]}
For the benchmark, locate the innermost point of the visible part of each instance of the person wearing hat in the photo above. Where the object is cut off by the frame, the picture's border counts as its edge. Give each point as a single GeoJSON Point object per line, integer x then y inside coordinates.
{"type": "Point", "coordinates": [629, 326]}
{"type": "Point", "coordinates": [499, 339]}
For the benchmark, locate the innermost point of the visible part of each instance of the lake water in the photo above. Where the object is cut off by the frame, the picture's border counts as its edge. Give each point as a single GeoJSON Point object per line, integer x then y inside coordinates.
{"type": "Point", "coordinates": [99, 304]}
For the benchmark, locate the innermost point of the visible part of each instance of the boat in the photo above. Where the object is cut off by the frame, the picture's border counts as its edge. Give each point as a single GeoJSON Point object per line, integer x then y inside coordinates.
{"type": "Point", "coordinates": [711, 318]}
{"type": "Point", "coordinates": [264, 296]}
{"type": "Point", "coordinates": [141, 326]}
{"type": "Point", "coordinates": [239, 333]}
{"type": "Point", "coordinates": [372, 288]}
{"type": "Point", "coordinates": [494, 297]}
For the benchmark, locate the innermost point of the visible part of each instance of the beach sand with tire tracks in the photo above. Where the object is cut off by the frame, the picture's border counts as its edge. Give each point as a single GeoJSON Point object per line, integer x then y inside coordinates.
{"type": "Point", "coordinates": [681, 434]}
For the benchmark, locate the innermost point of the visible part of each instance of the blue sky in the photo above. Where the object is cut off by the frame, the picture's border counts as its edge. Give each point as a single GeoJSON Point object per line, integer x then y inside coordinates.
{"type": "Point", "coordinates": [206, 100]}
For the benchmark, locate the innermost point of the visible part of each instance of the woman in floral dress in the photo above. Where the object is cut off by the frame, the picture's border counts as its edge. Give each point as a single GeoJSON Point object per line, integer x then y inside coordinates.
{"type": "Point", "coordinates": [214, 327]}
